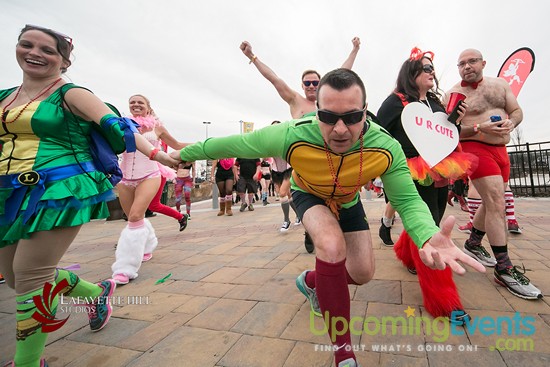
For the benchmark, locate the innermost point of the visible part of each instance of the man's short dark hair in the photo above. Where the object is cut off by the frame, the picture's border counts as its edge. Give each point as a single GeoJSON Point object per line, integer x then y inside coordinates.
{"type": "Point", "coordinates": [310, 72]}
{"type": "Point", "coordinates": [341, 79]}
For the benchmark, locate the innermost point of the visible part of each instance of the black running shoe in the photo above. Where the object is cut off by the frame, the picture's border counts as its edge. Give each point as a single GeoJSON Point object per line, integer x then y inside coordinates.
{"type": "Point", "coordinates": [149, 214]}
{"type": "Point", "coordinates": [459, 317]}
{"type": "Point", "coordinates": [385, 234]}
{"type": "Point", "coordinates": [183, 222]}
{"type": "Point", "coordinates": [308, 243]}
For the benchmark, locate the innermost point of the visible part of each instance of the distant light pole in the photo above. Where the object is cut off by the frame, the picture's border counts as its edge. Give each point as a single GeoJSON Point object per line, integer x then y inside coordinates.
{"type": "Point", "coordinates": [206, 123]}
{"type": "Point", "coordinates": [215, 204]}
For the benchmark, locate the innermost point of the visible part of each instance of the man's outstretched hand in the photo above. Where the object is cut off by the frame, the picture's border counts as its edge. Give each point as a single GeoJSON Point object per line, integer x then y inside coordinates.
{"type": "Point", "coordinates": [440, 251]}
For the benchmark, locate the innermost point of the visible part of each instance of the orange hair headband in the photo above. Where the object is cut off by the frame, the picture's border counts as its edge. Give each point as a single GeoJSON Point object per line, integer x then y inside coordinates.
{"type": "Point", "coordinates": [417, 54]}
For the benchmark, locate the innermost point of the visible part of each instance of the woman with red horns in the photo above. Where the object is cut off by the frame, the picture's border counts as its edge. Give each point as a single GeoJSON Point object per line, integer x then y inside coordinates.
{"type": "Point", "coordinates": [417, 83]}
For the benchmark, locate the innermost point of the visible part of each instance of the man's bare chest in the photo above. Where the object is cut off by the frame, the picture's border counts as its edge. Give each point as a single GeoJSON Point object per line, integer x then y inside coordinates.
{"type": "Point", "coordinates": [484, 99]}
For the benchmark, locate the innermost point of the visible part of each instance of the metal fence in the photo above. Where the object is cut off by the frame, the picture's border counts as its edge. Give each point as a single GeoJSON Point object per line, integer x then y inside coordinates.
{"type": "Point", "coordinates": [530, 169]}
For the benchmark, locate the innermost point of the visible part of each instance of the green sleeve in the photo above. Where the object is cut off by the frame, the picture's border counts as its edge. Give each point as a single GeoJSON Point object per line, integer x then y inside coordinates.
{"type": "Point", "coordinates": [267, 142]}
{"type": "Point", "coordinates": [112, 133]}
{"type": "Point", "coordinates": [401, 191]}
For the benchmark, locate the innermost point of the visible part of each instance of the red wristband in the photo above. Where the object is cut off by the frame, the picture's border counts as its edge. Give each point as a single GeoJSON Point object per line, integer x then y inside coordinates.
{"type": "Point", "coordinates": [153, 153]}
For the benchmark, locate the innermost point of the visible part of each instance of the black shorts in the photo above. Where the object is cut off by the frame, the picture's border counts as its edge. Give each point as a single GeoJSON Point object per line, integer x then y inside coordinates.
{"type": "Point", "coordinates": [266, 176]}
{"type": "Point", "coordinates": [223, 175]}
{"type": "Point", "coordinates": [245, 184]}
{"type": "Point", "coordinates": [279, 177]}
{"type": "Point", "coordinates": [351, 220]}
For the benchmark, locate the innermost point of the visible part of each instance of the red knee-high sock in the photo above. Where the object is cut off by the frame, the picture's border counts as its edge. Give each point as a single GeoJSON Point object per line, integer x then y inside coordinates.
{"type": "Point", "coordinates": [310, 279]}
{"type": "Point", "coordinates": [438, 287]}
{"type": "Point", "coordinates": [333, 294]}
{"type": "Point", "coordinates": [157, 207]}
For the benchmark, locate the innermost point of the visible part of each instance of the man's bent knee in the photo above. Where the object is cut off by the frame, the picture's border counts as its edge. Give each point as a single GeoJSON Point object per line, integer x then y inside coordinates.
{"type": "Point", "coordinates": [364, 276]}
{"type": "Point", "coordinates": [330, 252]}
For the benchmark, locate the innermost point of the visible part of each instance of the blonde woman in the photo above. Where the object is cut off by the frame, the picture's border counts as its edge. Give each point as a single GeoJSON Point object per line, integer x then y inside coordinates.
{"type": "Point", "coordinates": [140, 183]}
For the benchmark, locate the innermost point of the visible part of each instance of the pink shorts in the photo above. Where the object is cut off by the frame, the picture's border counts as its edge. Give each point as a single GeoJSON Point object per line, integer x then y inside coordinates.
{"type": "Point", "coordinates": [493, 159]}
{"type": "Point", "coordinates": [136, 182]}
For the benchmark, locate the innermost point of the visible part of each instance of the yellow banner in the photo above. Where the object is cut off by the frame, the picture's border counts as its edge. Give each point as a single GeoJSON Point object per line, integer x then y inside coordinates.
{"type": "Point", "coordinates": [248, 127]}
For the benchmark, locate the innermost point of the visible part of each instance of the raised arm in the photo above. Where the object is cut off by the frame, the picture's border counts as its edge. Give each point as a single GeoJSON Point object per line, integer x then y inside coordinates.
{"type": "Point", "coordinates": [348, 64]}
{"type": "Point", "coordinates": [165, 136]}
{"type": "Point", "coordinates": [286, 93]}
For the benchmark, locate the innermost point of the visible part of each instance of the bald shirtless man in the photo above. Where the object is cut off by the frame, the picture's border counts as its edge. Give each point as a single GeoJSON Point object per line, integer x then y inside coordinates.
{"type": "Point", "coordinates": [299, 106]}
{"type": "Point", "coordinates": [488, 98]}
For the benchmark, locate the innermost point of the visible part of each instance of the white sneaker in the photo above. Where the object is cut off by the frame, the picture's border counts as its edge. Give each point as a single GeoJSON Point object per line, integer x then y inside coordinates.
{"type": "Point", "coordinates": [298, 221]}
{"type": "Point", "coordinates": [350, 362]}
{"type": "Point", "coordinates": [285, 226]}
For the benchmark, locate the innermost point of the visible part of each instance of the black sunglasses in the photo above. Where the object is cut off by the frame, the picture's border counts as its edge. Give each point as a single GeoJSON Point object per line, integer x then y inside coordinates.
{"type": "Point", "coordinates": [307, 83]}
{"type": "Point", "coordinates": [428, 68]}
{"type": "Point", "coordinates": [349, 118]}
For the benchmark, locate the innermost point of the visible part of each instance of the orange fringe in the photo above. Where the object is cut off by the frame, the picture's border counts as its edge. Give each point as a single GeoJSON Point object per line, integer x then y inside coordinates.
{"type": "Point", "coordinates": [455, 165]}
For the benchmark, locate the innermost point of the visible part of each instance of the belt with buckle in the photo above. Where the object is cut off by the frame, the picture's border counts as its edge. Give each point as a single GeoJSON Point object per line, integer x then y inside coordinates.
{"type": "Point", "coordinates": [21, 182]}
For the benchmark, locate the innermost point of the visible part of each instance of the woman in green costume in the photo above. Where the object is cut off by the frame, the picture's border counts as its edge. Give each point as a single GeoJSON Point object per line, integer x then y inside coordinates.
{"type": "Point", "coordinates": [49, 186]}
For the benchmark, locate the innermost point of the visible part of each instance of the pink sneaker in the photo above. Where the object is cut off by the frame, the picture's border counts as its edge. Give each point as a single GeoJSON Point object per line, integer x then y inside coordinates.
{"type": "Point", "coordinates": [100, 309]}
{"type": "Point", "coordinates": [121, 279]}
{"type": "Point", "coordinates": [147, 257]}
{"type": "Point", "coordinates": [467, 228]}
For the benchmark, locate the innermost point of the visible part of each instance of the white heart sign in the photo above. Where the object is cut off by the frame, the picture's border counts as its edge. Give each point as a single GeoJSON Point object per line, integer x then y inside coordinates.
{"type": "Point", "coordinates": [431, 134]}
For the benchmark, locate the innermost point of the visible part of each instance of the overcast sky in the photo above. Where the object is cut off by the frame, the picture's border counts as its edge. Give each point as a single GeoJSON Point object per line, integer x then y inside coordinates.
{"type": "Point", "coordinates": [185, 56]}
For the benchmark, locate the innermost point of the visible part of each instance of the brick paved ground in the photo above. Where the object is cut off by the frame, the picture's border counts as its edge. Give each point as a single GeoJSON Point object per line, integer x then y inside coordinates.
{"type": "Point", "coordinates": [231, 299]}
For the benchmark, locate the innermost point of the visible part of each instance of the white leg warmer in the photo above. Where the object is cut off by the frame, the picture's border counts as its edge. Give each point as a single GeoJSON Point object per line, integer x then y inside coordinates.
{"type": "Point", "coordinates": [129, 251]}
{"type": "Point", "coordinates": [152, 240]}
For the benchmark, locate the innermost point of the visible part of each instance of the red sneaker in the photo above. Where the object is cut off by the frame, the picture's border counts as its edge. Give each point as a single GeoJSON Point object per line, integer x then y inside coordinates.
{"type": "Point", "coordinates": [467, 228]}
{"type": "Point", "coordinates": [513, 226]}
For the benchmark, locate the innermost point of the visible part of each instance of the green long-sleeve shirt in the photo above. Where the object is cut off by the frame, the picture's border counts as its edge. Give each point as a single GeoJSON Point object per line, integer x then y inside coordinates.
{"type": "Point", "coordinates": [300, 143]}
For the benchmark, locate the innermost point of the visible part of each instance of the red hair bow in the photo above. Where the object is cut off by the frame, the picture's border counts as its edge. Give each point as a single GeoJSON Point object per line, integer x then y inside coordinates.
{"type": "Point", "coordinates": [417, 54]}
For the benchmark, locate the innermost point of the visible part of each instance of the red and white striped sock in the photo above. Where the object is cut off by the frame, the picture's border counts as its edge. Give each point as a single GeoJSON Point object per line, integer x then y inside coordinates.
{"type": "Point", "coordinates": [510, 210]}
{"type": "Point", "coordinates": [473, 206]}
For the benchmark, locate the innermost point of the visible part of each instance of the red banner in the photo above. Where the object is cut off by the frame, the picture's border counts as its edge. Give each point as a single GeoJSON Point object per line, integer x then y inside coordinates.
{"type": "Point", "coordinates": [517, 68]}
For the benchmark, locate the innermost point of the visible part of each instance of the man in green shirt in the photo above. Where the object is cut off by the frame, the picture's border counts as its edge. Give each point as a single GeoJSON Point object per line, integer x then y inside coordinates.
{"type": "Point", "coordinates": [333, 155]}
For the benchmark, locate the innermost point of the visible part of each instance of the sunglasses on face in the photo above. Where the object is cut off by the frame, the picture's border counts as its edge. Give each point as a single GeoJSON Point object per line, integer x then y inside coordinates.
{"type": "Point", "coordinates": [470, 62]}
{"type": "Point", "coordinates": [428, 68]}
{"type": "Point", "coordinates": [307, 83]}
{"type": "Point", "coordinates": [64, 36]}
{"type": "Point", "coordinates": [349, 118]}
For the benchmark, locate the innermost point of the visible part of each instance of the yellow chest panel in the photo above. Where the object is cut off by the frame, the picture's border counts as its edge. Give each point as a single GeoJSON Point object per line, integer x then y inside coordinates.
{"type": "Point", "coordinates": [311, 165]}
{"type": "Point", "coordinates": [19, 142]}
